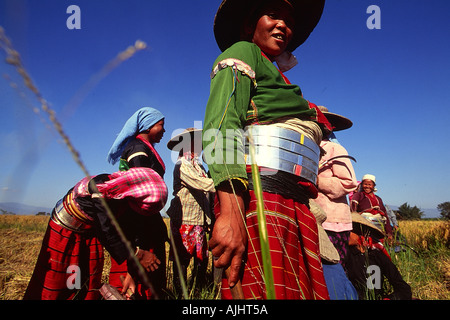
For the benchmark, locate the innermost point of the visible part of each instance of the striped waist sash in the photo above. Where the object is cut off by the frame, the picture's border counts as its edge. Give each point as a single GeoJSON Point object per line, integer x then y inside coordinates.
{"type": "Point", "coordinates": [69, 216]}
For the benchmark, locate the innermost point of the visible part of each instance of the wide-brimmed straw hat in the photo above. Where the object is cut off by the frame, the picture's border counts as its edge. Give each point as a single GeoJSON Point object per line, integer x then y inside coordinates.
{"type": "Point", "coordinates": [337, 121]}
{"type": "Point", "coordinates": [327, 249]}
{"type": "Point", "coordinates": [184, 139]}
{"type": "Point", "coordinates": [363, 227]}
{"type": "Point", "coordinates": [231, 15]}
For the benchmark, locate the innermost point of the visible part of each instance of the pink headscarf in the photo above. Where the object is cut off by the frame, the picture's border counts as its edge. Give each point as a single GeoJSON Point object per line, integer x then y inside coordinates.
{"type": "Point", "coordinates": [144, 189]}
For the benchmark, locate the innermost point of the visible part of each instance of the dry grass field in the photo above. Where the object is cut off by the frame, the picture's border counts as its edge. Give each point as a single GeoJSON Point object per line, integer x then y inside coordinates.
{"type": "Point", "coordinates": [20, 242]}
{"type": "Point", "coordinates": [427, 271]}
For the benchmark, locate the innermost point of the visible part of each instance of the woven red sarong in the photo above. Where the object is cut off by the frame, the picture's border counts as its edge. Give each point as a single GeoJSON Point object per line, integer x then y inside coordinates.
{"type": "Point", "coordinates": [294, 246]}
{"type": "Point", "coordinates": [60, 249]}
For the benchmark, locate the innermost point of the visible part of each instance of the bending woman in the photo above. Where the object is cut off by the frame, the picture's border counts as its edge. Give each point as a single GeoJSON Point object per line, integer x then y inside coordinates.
{"type": "Point", "coordinates": [79, 228]}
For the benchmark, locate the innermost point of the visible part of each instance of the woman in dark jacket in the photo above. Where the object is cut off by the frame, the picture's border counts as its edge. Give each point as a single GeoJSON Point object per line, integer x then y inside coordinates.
{"type": "Point", "coordinates": [369, 205]}
{"type": "Point", "coordinates": [368, 263]}
{"type": "Point", "coordinates": [134, 146]}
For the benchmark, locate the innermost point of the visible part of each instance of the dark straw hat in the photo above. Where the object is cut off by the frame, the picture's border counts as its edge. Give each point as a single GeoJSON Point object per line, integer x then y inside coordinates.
{"type": "Point", "coordinates": [337, 121]}
{"type": "Point", "coordinates": [181, 141]}
{"type": "Point", "coordinates": [231, 15]}
{"type": "Point", "coordinates": [363, 227]}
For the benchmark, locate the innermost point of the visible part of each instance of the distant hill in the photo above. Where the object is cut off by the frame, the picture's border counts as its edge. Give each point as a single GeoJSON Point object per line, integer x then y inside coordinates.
{"type": "Point", "coordinates": [21, 209]}
{"type": "Point", "coordinates": [431, 213]}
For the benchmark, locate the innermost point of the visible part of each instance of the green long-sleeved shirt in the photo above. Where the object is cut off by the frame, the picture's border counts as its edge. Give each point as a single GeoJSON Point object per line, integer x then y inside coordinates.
{"type": "Point", "coordinates": [237, 100]}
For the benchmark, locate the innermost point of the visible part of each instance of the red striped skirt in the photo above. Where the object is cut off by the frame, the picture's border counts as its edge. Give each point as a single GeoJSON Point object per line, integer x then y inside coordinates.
{"type": "Point", "coordinates": [294, 249]}
{"type": "Point", "coordinates": [119, 271]}
{"type": "Point", "coordinates": [69, 266]}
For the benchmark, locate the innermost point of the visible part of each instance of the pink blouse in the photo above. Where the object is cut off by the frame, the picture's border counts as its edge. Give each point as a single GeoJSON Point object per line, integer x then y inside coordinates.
{"type": "Point", "coordinates": [335, 180]}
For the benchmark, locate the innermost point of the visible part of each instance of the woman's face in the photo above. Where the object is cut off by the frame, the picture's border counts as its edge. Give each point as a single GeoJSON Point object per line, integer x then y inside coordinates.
{"type": "Point", "coordinates": [274, 29]}
{"type": "Point", "coordinates": [156, 132]}
{"type": "Point", "coordinates": [368, 186]}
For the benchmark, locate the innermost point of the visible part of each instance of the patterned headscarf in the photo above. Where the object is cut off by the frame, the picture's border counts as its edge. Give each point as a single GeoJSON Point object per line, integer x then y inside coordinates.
{"type": "Point", "coordinates": [143, 187]}
{"type": "Point", "coordinates": [141, 120]}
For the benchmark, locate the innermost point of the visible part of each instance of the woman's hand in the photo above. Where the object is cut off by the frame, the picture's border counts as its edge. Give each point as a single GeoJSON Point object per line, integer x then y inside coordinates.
{"type": "Point", "coordinates": [128, 286]}
{"type": "Point", "coordinates": [229, 237]}
{"type": "Point", "coordinates": [148, 260]}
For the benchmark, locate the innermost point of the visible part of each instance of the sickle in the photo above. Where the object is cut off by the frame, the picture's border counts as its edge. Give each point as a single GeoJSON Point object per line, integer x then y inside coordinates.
{"type": "Point", "coordinates": [342, 156]}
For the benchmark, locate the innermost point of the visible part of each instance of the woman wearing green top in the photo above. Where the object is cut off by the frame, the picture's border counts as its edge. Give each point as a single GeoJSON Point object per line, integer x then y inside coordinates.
{"type": "Point", "coordinates": [247, 89]}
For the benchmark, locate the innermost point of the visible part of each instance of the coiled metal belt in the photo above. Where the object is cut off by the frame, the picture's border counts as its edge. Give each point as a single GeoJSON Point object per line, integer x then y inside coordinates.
{"type": "Point", "coordinates": [62, 216]}
{"type": "Point", "coordinates": [283, 149]}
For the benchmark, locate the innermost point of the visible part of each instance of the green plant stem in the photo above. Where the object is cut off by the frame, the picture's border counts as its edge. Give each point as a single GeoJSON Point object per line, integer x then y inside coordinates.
{"type": "Point", "coordinates": [263, 236]}
{"type": "Point", "coordinates": [178, 267]}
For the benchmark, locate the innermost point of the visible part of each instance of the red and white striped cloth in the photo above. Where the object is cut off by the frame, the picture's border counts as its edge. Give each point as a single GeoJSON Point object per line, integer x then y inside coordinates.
{"type": "Point", "coordinates": [294, 249]}
{"type": "Point", "coordinates": [61, 249]}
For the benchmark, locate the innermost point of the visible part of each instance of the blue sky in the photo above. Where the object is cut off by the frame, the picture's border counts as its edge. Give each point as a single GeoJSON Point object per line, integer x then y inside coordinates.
{"type": "Point", "coordinates": [393, 83]}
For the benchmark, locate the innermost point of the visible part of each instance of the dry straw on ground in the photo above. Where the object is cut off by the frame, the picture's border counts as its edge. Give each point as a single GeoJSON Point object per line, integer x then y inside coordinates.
{"type": "Point", "coordinates": [20, 242]}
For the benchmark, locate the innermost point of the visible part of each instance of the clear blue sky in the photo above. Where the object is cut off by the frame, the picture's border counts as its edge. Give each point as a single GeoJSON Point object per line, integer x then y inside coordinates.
{"type": "Point", "coordinates": [393, 83]}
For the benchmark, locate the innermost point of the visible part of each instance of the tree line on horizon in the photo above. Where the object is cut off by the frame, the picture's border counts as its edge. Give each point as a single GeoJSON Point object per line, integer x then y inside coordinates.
{"type": "Point", "coordinates": [406, 212]}
{"type": "Point", "coordinates": [6, 212]}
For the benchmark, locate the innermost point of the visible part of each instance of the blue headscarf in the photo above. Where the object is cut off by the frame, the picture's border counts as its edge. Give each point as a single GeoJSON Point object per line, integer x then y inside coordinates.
{"type": "Point", "coordinates": [333, 138]}
{"type": "Point", "coordinates": [141, 120]}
